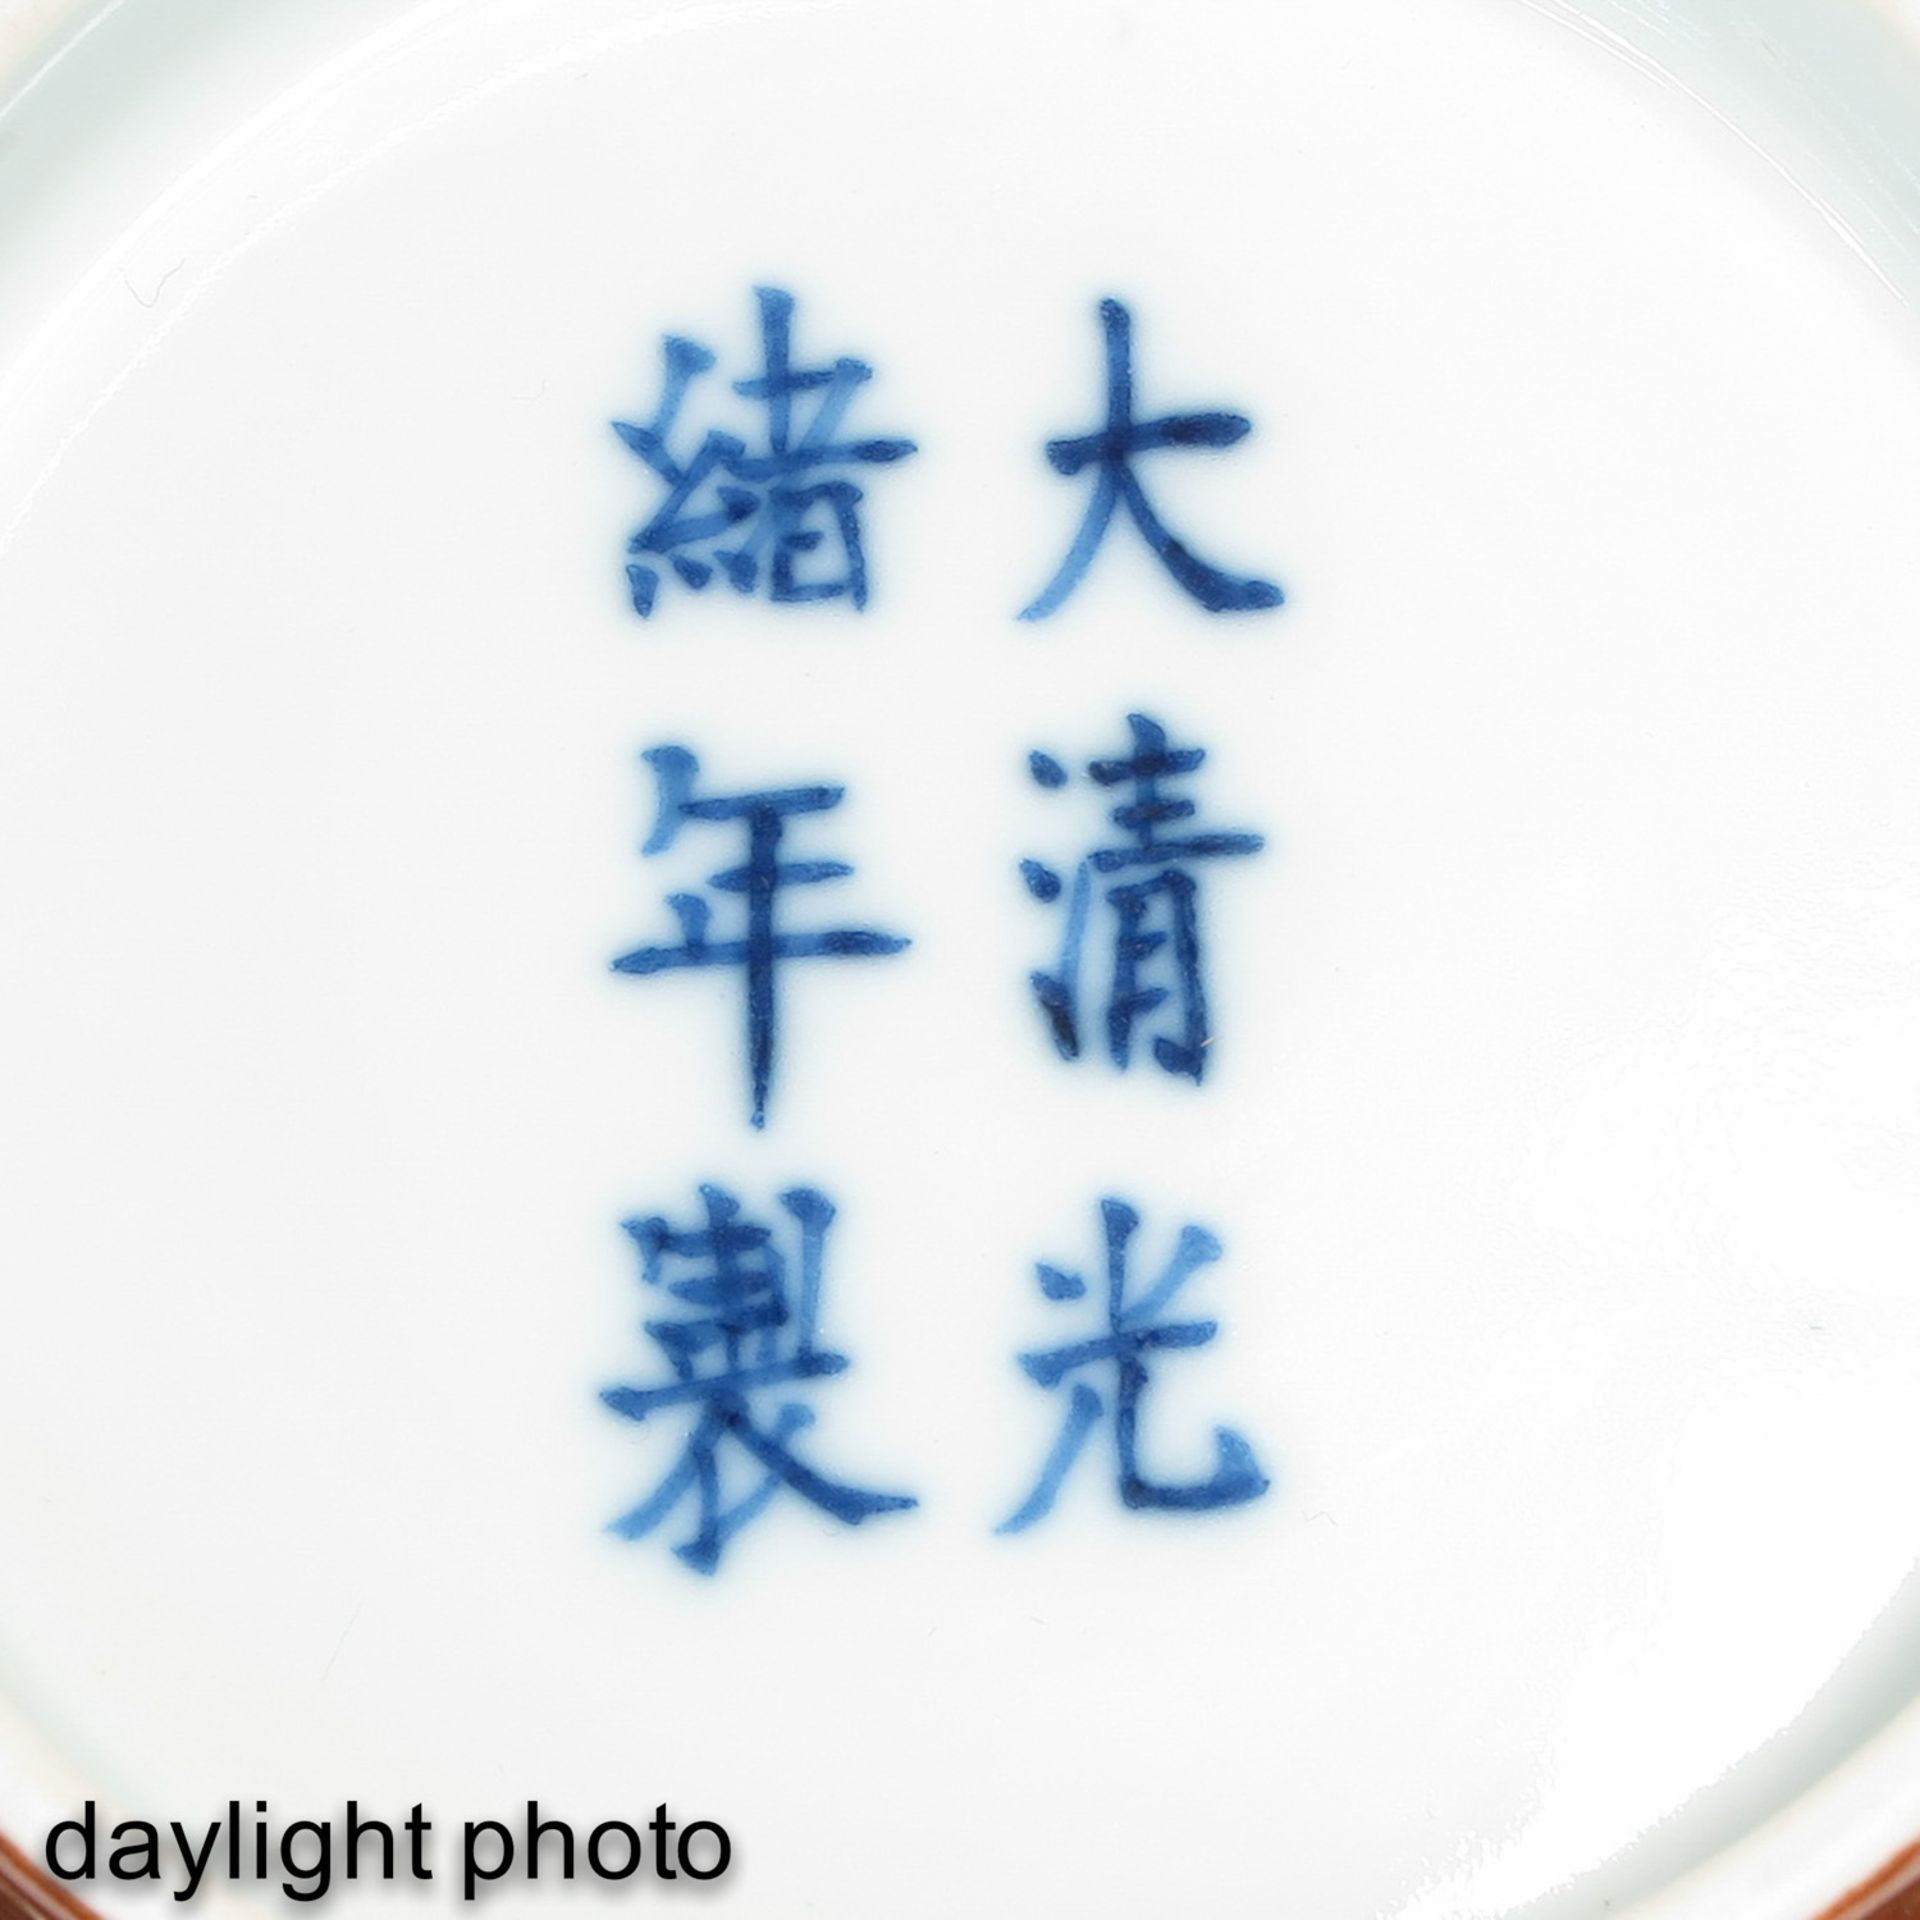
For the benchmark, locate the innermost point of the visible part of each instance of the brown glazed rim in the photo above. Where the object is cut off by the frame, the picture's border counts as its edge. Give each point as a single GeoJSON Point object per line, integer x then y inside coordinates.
{"type": "Point", "coordinates": [1891, 1894]}
{"type": "Point", "coordinates": [28, 1894]}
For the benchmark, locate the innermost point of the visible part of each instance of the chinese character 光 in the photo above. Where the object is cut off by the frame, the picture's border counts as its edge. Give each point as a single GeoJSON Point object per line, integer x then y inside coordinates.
{"type": "Point", "coordinates": [1134, 1329]}
{"type": "Point", "coordinates": [769, 509]}
{"type": "Point", "coordinates": [761, 946]}
{"type": "Point", "coordinates": [1154, 898]}
{"type": "Point", "coordinates": [1110, 451]}
{"type": "Point", "coordinates": [744, 1331]}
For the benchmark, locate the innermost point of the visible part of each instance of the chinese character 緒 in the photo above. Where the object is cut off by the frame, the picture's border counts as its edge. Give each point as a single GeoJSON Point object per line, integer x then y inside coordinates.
{"type": "Point", "coordinates": [761, 945]}
{"type": "Point", "coordinates": [1154, 900]}
{"type": "Point", "coordinates": [1110, 451]}
{"type": "Point", "coordinates": [742, 511]}
{"type": "Point", "coordinates": [1134, 1330]}
{"type": "Point", "coordinates": [742, 1331]}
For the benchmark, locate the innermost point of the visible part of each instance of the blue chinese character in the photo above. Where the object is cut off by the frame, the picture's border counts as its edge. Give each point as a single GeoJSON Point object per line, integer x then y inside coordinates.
{"type": "Point", "coordinates": [758, 503]}
{"type": "Point", "coordinates": [1156, 930]}
{"type": "Point", "coordinates": [1134, 1330]}
{"type": "Point", "coordinates": [1110, 451]}
{"type": "Point", "coordinates": [740, 1334]}
{"type": "Point", "coordinates": [762, 946]}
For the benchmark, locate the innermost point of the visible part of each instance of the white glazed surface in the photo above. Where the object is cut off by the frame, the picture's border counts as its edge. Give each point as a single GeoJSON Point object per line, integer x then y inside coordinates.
{"type": "Point", "coordinates": [1564, 1151]}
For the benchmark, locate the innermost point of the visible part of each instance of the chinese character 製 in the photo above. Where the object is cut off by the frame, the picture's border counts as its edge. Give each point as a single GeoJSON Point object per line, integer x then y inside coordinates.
{"type": "Point", "coordinates": [1111, 450]}
{"type": "Point", "coordinates": [761, 945]}
{"type": "Point", "coordinates": [1147, 881]}
{"type": "Point", "coordinates": [768, 510]}
{"type": "Point", "coordinates": [1135, 1329]}
{"type": "Point", "coordinates": [746, 1332]}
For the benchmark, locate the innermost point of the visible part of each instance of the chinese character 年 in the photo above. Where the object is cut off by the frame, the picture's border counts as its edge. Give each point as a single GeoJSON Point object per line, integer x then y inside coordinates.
{"type": "Point", "coordinates": [761, 945]}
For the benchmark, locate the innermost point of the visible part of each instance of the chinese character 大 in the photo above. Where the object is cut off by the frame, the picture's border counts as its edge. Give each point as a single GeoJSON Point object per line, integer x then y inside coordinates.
{"type": "Point", "coordinates": [1110, 451]}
